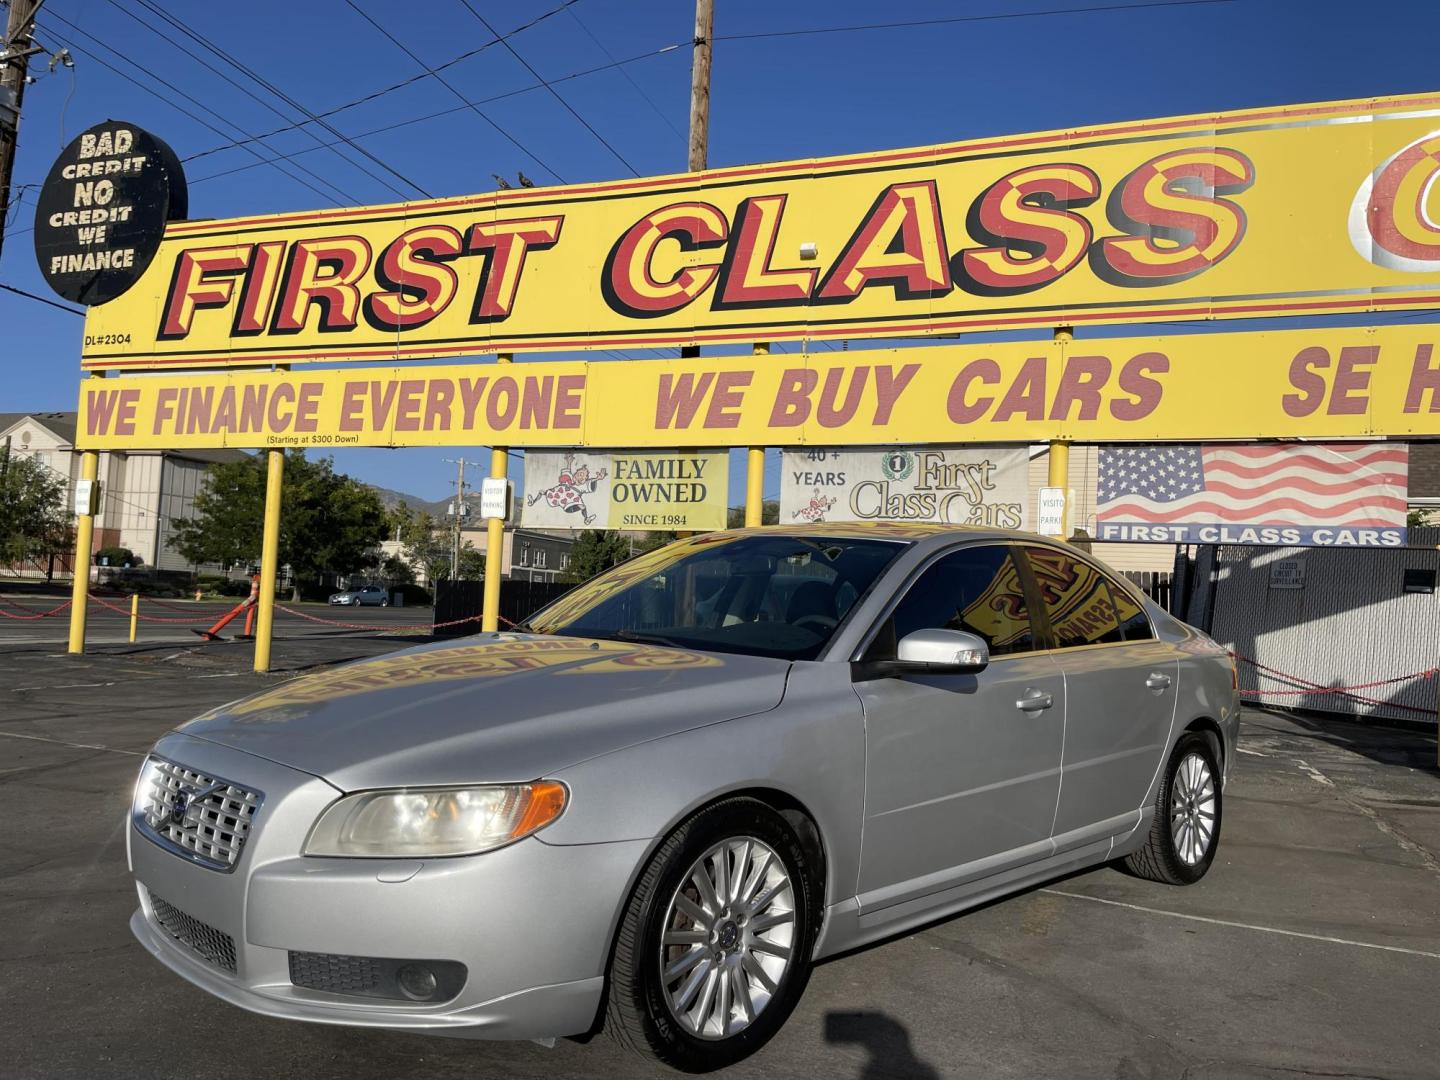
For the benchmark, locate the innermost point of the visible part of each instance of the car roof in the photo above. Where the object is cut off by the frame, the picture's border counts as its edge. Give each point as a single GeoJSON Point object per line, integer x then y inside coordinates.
{"type": "Point", "coordinates": [910, 532]}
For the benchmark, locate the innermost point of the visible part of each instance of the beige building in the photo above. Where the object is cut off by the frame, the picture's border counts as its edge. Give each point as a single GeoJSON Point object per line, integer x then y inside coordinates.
{"type": "Point", "coordinates": [529, 554]}
{"type": "Point", "coordinates": [143, 492]}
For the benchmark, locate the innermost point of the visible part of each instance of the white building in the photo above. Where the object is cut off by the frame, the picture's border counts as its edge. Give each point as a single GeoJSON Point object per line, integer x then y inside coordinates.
{"type": "Point", "coordinates": [144, 491]}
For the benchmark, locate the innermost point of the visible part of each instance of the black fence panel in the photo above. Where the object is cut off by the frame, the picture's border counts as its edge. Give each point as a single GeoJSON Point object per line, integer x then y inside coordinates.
{"type": "Point", "coordinates": [1154, 584]}
{"type": "Point", "coordinates": [457, 600]}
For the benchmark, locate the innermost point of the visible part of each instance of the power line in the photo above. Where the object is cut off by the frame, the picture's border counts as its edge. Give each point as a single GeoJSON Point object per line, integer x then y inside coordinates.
{"type": "Point", "coordinates": [448, 86]}
{"type": "Point", "coordinates": [171, 102]}
{"type": "Point", "coordinates": [638, 89]}
{"type": "Point", "coordinates": [263, 160]}
{"type": "Point", "coordinates": [275, 90]}
{"type": "Point", "coordinates": [404, 83]}
{"type": "Point", "coordinates": [553, 92]}
{"type": "Point", "coordinates": [967, 19]}
{"type": "Point", "coordinates": [41, 299]}
{"type": "Point", "coordinates": [244, 89]}
{"type": "Point", "coordinates": [453, 109]}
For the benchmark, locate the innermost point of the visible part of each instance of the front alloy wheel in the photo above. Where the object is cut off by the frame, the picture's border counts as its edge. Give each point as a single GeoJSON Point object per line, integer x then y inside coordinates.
{"type": "Point", "coordinates": [713, 949]}
{"type": "Point", "coordinates": [728, 939]}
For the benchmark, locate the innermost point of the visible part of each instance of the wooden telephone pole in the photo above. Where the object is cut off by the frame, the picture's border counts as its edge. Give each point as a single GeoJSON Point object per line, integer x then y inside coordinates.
{"type": "Point", "coordinates": [700, 85]}
{"type": "Point", "coordinates": [14, 69]}
{"type": "Point", "coordinates": [700, 104]}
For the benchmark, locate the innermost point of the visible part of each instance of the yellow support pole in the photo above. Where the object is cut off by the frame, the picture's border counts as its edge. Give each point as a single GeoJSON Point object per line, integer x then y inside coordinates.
{"type": "Point", "coordinates": [269, 556]}
{"type": "Point", "coordinates": [84, 540]}
{"type": "Point", "coordinates": [755, 468]}
{"type": "Point", "coordinates": [1060, 451]}
{"type": "Point", "coordinates": [134, 615]}
{"type": "Point", "coordinates": [494, 537]}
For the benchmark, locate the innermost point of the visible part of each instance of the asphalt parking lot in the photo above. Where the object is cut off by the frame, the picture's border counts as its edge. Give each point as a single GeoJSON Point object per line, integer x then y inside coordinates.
{"type": "Point", "coordinates": [1311, 949]}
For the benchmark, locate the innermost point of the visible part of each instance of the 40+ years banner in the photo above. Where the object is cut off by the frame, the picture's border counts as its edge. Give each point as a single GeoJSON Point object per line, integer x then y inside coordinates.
{"type": "Point", "coordinates": [1316, 208]}
{"type": "Point", "coordinates": [971, 485]}
{"type": "Point", "coordinates": [585, 489]}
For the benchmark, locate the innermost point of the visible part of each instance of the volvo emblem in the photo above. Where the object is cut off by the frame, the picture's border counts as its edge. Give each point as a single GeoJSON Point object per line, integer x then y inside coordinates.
{"type": "Point", "coordinates": [178, 807]}
{"type": "Point", "coordinates": [181, 801]}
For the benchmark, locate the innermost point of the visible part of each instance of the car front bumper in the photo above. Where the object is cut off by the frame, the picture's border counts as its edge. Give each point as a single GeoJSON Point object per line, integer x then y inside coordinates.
{"type": "Point", "coordinates": [531, 922]}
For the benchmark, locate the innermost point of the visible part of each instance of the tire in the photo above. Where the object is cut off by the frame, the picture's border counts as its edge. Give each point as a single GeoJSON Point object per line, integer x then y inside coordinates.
{"type": "Point", "coordinates": [384, 603]}
{"type": "Point", "coordinates": [668, 1019]}
{"type": "Point", "coordinates": [1178, 850]}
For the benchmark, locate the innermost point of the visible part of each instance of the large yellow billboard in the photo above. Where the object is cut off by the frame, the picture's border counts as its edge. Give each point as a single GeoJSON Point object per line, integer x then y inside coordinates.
{"type": "Point", "coordinates": [1291, 210]}
{"type": "Point", "coordinates": [1322, 383]}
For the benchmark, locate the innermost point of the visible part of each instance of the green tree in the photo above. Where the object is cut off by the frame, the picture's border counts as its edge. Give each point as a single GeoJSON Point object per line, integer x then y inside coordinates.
{"type": "Point", "coordinates": [472, 563]}
{"type": "Point", "coordinates": [396, 571]}
{"type": "Point", "coordinates": [594, 552]}
{"type": "Point", "coordinates": [329, 522]}
{"type": "Point", "coordinates": [427, 544]}
{"type": "Point", "coordinates": [34, 520]}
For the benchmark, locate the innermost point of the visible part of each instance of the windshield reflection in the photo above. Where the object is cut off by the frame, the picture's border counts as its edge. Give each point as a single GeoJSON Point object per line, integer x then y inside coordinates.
{"type": "Point", "coordinates": [773, 595]}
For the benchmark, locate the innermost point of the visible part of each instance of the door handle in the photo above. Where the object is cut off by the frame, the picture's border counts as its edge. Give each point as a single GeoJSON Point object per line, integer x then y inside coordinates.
{"type": "Point", "coordinates": [1157, 680]}
{"type": "Point", "coordinates": [1034, 701]}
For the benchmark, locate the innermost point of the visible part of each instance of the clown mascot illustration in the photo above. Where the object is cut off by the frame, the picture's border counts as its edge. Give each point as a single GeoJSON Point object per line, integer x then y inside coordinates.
{"type": "Point", "coordinates": [569, 491]}
{"type": "Point", "coordinates": [819, 506]}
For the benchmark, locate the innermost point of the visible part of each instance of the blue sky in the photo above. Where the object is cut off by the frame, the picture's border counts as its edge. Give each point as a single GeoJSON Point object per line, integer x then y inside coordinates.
{"type": "Point", "coordinates": [774, 97]}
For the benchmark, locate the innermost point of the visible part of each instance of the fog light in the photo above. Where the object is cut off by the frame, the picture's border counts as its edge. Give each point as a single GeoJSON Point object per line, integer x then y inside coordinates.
{"type": "Point", "coordinates": [416, 982]}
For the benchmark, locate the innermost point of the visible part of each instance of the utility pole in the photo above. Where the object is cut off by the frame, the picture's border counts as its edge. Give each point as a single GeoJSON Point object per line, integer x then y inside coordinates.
{"type": "Point", "coordinates": [700, 104]}
{"type": "Point", "coordinates": [700, 85]}
{"type": "Point", "coordinates": [14, 73]}
{"type": "Point", "coordinates": [459, 506]}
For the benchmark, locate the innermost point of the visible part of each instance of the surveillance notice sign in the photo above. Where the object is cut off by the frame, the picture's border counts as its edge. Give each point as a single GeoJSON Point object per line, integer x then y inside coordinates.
{"type": "Point", "coordinates": [102, 211]}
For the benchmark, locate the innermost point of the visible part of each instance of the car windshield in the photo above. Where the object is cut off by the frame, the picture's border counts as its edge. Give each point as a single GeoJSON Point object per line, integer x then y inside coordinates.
{"type": "Point", "coordinates": [762, 594]}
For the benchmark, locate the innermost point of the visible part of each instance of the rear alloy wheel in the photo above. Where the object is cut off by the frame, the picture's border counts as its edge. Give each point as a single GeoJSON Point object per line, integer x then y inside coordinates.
{"type": "Point", "coordinates": [1186, 826]}
{"type": "Point", "coordinates": [714, 947]}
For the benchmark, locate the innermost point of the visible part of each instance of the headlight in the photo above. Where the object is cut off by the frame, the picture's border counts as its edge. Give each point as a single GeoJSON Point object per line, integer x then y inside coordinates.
{"type": "Point", "coordinates": [430, 822]}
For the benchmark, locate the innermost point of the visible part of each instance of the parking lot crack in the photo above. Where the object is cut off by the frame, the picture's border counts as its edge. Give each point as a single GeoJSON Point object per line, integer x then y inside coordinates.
{"type": "Point", "coordinates": [1420, 851]}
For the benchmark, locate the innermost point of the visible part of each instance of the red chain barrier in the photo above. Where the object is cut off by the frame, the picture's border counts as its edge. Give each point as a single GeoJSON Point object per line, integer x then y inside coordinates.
{"type": "Point", "coordinates": [382, 627]}
{"type": "Point", "coordinates": [35, 615]}
{"type": "Point", "coordinates": [149, 618]}
{"type": "Point", "coordinates": [1307, 687]}
{"type": "Point", "coordinates": [184, 605]}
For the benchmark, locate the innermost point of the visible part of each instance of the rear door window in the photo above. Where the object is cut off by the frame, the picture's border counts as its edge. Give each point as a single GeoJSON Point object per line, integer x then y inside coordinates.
{"type": "Point", "coordinates": [1083, 605]}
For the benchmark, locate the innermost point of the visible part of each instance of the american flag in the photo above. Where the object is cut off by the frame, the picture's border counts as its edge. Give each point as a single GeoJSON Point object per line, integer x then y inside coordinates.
{"type": "Point", "coordinates": [1354, 484]}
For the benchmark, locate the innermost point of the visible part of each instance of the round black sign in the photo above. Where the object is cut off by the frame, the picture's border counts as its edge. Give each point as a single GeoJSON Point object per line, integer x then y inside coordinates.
{"type": "Point", "coordinates": [103, 209]}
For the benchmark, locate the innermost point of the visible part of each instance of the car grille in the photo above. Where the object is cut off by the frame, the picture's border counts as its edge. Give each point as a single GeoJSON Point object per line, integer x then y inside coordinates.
{"type": "Point", "coordinates": [335, 974]}
{"type": "Point", "coordinates": [211, 945]}
{"type": "Point", "coordinates": [214, 815]}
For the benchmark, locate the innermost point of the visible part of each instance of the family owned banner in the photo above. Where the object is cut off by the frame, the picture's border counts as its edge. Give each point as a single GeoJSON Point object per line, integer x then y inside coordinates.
{"type": "Point", "coordinates": [581, 489]}
{"type": "Point", "coordinates": [970, 485]}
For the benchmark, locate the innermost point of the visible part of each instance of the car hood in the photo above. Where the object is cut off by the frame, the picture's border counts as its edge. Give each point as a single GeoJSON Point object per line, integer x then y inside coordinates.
{"type": "Point", "coordinates": [512, 707]}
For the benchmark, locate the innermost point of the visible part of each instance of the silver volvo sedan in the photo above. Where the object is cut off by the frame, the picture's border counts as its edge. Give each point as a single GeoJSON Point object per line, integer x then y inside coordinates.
{"type": "Point", "coordinates": [656, 805]}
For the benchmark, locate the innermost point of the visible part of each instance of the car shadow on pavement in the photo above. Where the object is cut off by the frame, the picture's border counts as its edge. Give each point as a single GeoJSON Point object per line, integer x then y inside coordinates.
{"type": "Point", "coordinates": [885, 1039]}
{"type": "Point", "coordinates": [1385, 743]}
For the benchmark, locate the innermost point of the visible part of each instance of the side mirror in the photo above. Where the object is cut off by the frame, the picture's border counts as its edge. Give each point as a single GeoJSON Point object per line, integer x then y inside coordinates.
{"type": "Point", "coordinates": [943, 652]}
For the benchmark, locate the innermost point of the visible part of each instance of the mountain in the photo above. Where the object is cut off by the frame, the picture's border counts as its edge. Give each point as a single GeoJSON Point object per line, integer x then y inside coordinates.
{"type": "Point", "coordinates": [390, 499]}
